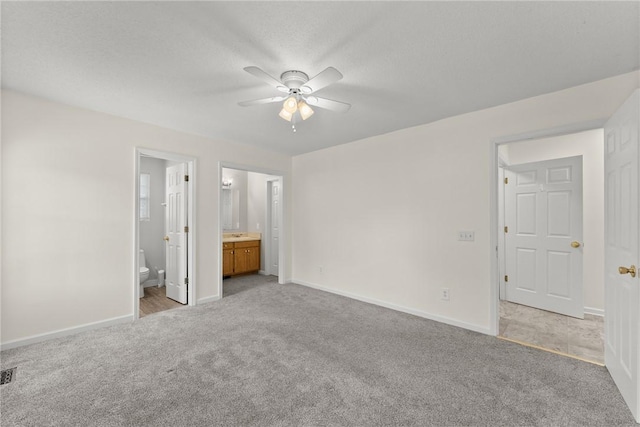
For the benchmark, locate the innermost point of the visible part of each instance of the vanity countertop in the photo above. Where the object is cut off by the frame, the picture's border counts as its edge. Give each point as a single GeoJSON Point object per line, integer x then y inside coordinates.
{"type": "Point", "coordinates": [240, 237]}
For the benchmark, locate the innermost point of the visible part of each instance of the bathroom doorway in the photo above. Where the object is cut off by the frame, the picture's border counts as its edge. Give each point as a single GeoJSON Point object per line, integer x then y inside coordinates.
{"type": "Point", "coordinates": [251, 225]}
{"type": "Point", "coordinates": [164, 232]}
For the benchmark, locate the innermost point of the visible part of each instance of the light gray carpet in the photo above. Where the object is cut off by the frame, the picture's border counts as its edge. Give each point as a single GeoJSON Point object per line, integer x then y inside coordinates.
{"type": "Point", "coordinates": [285, 355]}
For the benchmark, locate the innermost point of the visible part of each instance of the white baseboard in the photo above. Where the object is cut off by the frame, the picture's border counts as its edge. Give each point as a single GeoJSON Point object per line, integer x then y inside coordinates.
{"type": "Point", "coordinates": [208, 299]}
{"type": "Point", "coordinates": [419, 313]}
{"type": "Point", "coordinates": [594, 311]}
{"type": "Point", "coordinates": [65, 332]}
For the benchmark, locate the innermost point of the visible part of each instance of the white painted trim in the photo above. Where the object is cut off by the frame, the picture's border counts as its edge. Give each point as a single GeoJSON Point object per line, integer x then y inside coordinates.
{"type": "Point", "coordinates": [494, 277]}
{"type": "Point", "coordinates": [494, 293]}
{"type": "Point", "coordinates": [268, 227]}
{"type": "Point", "coordinates": [191, 221]}
{"type": "Point", "coordinates": [419, 313]}
{"type": "Point", "coordinates": [594, 311]}
{"type": "Point", "coordinates": [556, 131]}
{"type": "Point", "coordinates": [501, 243]}
{"type": "Point", "coordinates": [65, 332]}
{"type": "Point", "coordinates": [208, 299]}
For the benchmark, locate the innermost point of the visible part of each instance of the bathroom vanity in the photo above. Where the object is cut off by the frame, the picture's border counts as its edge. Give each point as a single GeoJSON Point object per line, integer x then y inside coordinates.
{"type": "Point", "coordinates": [240, 253]}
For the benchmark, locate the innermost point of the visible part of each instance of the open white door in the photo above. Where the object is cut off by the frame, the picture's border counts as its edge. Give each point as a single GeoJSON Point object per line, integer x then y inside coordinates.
{"type": "Point", "coordinates": [177, 232]}
{"type": "Point", "coordinates": [543, 235]}
{"type": "Point", "coordinates": [621, 249]}
{"type": "Point", "coordinates": [274, 228]}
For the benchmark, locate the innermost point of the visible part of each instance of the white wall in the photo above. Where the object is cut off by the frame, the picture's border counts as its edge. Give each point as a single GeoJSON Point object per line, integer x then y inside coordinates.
{"type": "Point", "coordinates": [381, 215]}
{"type": "Point", "coordinates": [590, 145]}
{"type": "Point", "coordinates": [73, 217]}
{"type": "Point", "coordinates": [152, 231]}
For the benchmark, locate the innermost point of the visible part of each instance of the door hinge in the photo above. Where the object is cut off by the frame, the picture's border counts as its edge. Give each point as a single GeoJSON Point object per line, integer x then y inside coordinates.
{"type": "Point", "coordinates": [186, 280]}
{"type": "Point", "coordinates": [186, 178]}
{"type": "Point", "coordinates": [186, 228]}
{"type": "Point", "coordinates": [506, 180]}
{"type": "Point", "coordinates": [506, 278]}
{"type": "Point", "coordinates": [506, 229]}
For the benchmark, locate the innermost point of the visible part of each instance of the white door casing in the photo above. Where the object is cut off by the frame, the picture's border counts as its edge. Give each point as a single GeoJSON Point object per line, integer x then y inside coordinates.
{"type": "Point", "coordinates": [543, 213]}
{"type": "Point", "coordinates": [622, 301]}
{"type": "Point", "coordinates": [274, 228]}
{"type": "Point", "coordinates": [176, 237]}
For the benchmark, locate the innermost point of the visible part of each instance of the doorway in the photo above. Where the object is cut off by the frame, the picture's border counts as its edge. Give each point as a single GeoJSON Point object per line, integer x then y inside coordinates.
{"type": "Point", "coordinates": [164, 240]}
{"type": "Point", "coordinates": [621, 248]}
{"type": "Point", "coordinates": [251, 226]}
{"type": "Point", "coordinates": [551, 293]}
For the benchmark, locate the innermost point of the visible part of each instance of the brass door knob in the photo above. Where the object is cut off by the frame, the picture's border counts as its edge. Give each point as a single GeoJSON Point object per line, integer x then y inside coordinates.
{"type": "Point", "coordinates": [575, 244]}
{"type": "Point", "coordinates": [631, 270]}
{"type": "Point", "coordinates": [166, 238]}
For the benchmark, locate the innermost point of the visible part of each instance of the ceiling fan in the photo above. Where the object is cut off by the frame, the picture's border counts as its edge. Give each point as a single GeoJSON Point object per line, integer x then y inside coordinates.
{"type": "Point", "coordinates": [299, 92]}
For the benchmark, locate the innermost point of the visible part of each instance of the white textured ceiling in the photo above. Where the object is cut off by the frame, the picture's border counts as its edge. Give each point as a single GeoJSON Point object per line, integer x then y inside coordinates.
{"type": "Point", "coordinates": [180, 64]}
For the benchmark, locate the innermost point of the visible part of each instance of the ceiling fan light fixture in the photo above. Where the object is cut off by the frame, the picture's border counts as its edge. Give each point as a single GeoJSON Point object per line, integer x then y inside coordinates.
{"type": "Point", "coordinates": [290, 105]}
{"type": "Point", "coordinates": [305, 110]}
{"type": "Point", "coordinates": [285, 115]}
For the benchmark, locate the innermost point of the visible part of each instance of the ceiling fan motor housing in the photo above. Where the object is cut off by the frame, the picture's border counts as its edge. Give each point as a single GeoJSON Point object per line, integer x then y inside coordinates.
{"type": "Point", "coordinates": [293, 79]}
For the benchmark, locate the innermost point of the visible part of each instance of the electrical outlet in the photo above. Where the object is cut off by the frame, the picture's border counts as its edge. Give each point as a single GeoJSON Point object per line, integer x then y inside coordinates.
{"type": "Point", "coordinates": [444, 294]}
{"type": "Point", "coordinates": [258, 226]}
{"type": "Point", "coordinates": [466, 236]}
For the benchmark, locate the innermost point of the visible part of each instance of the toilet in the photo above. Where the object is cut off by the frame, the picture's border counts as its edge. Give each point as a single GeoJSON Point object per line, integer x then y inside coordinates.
{"type": "Point", "coordinates": [144, 271]}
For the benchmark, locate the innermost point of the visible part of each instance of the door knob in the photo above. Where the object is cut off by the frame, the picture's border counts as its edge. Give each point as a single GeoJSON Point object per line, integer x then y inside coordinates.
{"type": "Point", "coordinates": [575, 244]}
{"type": "Point", "coordinates": [631, 270]}
{"type": "Point", "coordinates": [166, 238]}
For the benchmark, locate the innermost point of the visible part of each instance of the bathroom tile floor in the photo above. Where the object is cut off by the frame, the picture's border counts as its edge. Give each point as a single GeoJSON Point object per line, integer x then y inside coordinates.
{"type": "Point", "coordinates": [583, 338]}
{"type": "Point", "coordinates": [155, 300]}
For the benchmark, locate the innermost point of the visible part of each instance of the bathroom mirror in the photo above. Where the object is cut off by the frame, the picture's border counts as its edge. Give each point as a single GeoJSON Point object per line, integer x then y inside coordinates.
{"type": "Point", "coordinates": [230, 209]}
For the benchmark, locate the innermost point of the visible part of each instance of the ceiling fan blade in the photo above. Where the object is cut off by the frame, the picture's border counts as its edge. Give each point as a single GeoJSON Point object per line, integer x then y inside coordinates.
{"type": "Point", "coordinates": [328, 104]}
{"type": "Point", "coordinates": [271, 81]}
{"type": "Point", "coordinates": [262, 101]}
{"type": "Point", "coordinates": [324, 79]}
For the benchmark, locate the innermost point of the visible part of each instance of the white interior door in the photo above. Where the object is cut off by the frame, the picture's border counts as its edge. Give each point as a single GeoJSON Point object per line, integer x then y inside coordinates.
{"type": "Point", "coordinates": [274, 228]}
{"type": "Point", "coordinates": [176, 237]}
{"type": "Point", "coordinates": [543, 238]}
{"type": "Point", "coordinates": [621, 249]}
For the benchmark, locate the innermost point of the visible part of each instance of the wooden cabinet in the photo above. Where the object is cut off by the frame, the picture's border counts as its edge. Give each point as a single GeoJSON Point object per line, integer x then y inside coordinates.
{"type": "Point", "coordinates": [240, 257]}
{"type": "Point", "coordinates": [227, 262]}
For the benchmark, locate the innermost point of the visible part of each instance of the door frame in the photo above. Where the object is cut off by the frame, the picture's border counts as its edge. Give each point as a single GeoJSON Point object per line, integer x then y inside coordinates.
{"type": "Point", "coordinates": [494, 204]}
{"type": "Point", "coordinates": [282, 176]}
{"type": "Point", "coordinates": [191, 218]}
{"type": "Point", "coordinates": [268, 253]}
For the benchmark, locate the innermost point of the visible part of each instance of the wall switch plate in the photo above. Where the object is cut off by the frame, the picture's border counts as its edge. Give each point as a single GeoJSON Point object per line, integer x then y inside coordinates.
{"type": "Point", "coordinates": [444, 294]}
{"type": "Point", "coordinates": [466, 236]}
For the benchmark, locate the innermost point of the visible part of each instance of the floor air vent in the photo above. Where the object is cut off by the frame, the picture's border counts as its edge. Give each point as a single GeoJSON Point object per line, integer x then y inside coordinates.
{"type": "Point", "coordinates": [7, 375]}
